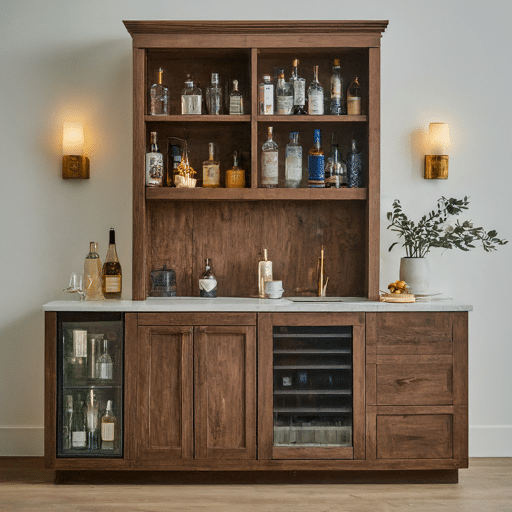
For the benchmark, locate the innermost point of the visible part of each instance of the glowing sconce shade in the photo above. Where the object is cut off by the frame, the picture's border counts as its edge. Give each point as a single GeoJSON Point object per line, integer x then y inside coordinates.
{"type": "Point", "coordinates": [74, 164]}
{"type": "Point", "coordinates": [436, 163]}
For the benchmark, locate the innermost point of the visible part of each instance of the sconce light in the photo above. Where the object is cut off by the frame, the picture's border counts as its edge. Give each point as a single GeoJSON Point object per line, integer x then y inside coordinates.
{"type": "Point", "coordinates": [436, 163]}
{"type": "Point", "coordinates": [75, 165]}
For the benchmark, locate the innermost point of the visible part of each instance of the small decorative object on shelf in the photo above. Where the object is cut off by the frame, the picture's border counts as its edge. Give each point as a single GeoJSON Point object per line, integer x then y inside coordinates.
{"type": "Point", "coordinates": [111, 274]}
{"type": "Point", "coordinates": [316, 163]}
{"type": "Point", "coordinates": [158, 97]}
{"type": "Point", "coordinates": [293, 162]}
{"type": "Point", "coordinates": [207, 281]}
{"type": "Point", "coordinates": [299, 90]}
{"type": "Point", "coordinates": [191, 98]}
{"type": "Point", "coordinates": [214, 96]}
{"type": "Point", "coordinates": [284, 96]}
{"type": "Point", "coordinates": [235, 177]}
{"type": "Point", "coordinates": [337, 98]}
{"type": "Point", "coordinates": [92, 274]}
{"type": "Point", "coordinates": [154, 164]}
{"type": "Point", "coordinates": [397, 293]}
{"type": "Point", "coordinates": [269, 162]}
{"type": "Point", "coordinates": [354, 167]}
{"type": "Point", "coordinates": [183, 177]}
{"type": "Point", "coordinates": [211, 169]}
{"type": "Point", "coordinates": [236, 101]}
{"type": "Point", "coordinates": [354, 98]}
{"type": "Point", "coordinates": [267, 97]}
{"type": "Point", "coordinates": [315, 96]}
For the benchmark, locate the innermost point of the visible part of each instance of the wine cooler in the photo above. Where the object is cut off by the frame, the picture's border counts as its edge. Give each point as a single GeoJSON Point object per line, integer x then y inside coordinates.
{"type": "Point", "coordinates": [90, 384]}
{"type": "Point", "coordinates": [313, 390]}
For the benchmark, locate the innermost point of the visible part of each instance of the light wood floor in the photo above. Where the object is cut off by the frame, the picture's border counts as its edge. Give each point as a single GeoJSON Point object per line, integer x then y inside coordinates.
{"type": "Point", "coordinates": [485, 487]}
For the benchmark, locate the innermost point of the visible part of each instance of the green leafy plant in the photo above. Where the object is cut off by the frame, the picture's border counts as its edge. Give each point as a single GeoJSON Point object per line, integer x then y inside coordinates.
{"type": "Point", "coordinates": [434, 230]}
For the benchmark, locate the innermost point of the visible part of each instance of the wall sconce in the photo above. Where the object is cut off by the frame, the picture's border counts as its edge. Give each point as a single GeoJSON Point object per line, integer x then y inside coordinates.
{"type": "Point", "coordinates": [75, 165]}
{"type": "Point", "coordinates": [436, 163]}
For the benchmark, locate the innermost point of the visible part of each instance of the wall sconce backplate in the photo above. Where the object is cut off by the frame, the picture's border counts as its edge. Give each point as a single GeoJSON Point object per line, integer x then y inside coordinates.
{"type": "Point", "coordinates": [75, 167]}
{"type": "Point", "coordinates": [436, 167]}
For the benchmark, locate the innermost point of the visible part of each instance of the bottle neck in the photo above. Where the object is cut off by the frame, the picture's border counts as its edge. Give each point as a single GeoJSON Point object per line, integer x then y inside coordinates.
{"type": "Point", "coordinates": [315, 74]}
{"type": "Point", "coordinates": [211, 151]}
{"type": "Point", "coordinates": [235, 85]}
{"type": "Point", "coordinates": [235, 159]}
{"type": "Point", "coordinates": [160, 73]}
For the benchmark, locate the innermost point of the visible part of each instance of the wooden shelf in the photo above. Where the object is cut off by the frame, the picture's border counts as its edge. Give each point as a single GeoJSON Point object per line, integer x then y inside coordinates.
{"type": "Point", "coordinates": [312, 119]}
{"type": "Point", "coordinates": [201, 118]}
{"type": "Point", "coordinates": [179, 118]}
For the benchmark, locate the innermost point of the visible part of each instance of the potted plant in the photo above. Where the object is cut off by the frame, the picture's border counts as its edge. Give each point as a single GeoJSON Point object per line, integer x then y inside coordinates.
{"type": "Point", "coordinates": [435, 230]}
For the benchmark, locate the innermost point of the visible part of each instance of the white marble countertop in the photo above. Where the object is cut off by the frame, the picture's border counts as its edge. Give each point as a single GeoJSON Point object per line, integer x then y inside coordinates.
{"type": "Point", "coordinates": [242, 304]}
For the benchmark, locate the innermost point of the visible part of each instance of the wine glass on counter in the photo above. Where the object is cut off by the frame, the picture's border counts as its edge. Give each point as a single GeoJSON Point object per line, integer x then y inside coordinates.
{"type": "Point", "coordinates": [76, 285]}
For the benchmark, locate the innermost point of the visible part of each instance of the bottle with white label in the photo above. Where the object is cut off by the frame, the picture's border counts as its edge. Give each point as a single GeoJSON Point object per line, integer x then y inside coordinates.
{"type": "Point", "coordinates": [154, 164]}
{"type": "Point", "coordinates": [269, 162]}
{"type": "Point", "coordinates": [79, 427]}
{"type": "Point", "coordinates": [315, 96]}
{"type": "Point", "coordinates": [211, 169]}
{"type": "Point", "coordinates": [108, 428]}
{"type": "Point", "coordinates": [284, 97]}
{"type": "Point", "coordinates": [191, 98]}
{"type": "Point", "coordinates": [77, 362]}
{"type": "Point", "coordinates": [207, 281]}
{"type": "Point", "coordinates": [267, 97]}
{"type": "Point", "coordinates": [105, 366]}
{"type": "Point", "coordinates": [293, 162]}
{"type": "Point", "coordinates": [67, 423]}
{"type": "Point", "coordinates": [236, 101]}
{"type": "Point", "coordinates": [111, 274]}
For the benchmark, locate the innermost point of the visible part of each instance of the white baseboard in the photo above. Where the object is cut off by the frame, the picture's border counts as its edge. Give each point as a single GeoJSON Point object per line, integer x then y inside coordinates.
{"type": "Point", "coordinates": [490, 441]}
{"type": "Point", "coordinates": [21, 441]}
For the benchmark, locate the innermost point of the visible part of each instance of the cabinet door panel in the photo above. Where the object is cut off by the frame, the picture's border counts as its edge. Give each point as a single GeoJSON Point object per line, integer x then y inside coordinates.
{"type": "Point", "coordinates": [225, 392]}
{"type": "Point", "coordinates": [164, 396]}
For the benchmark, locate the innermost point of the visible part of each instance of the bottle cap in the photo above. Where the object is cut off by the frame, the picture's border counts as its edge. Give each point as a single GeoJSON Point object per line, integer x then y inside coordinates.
{"type": "Point", "coordinates": [215, 78]}
{"type": "Point", "coordinates": [93, 247]}
{"type": "Point", "coordinates": [336, 62]}
{"type": "Point", "coordinates": [109, 405]}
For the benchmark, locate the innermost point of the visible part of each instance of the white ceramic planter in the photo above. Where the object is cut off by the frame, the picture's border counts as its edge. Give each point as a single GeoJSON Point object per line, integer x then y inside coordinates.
{"type": "Point", "coordinates": [416, 273]}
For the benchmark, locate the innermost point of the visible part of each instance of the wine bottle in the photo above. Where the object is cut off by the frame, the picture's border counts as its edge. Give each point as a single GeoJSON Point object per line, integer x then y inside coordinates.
{"type": "Point", "coordinates": [354, 98]}
{"type": "Point", "coordinates": [79, 427]}
{"type": "Point", "coordinates": [207, 281]}
{"type": "Point", "coordinates": [92, 274]}
{"type": "Point", "coordinates": [112, 275]}
{"type": "Point", "coordinates": [108, 428]}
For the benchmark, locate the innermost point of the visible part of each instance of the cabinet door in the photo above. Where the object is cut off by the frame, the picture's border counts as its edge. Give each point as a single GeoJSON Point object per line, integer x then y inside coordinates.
{"type": "Point", "coordinates": [164, 394]}
{"type": "Point", "coordinates": [225, 392]}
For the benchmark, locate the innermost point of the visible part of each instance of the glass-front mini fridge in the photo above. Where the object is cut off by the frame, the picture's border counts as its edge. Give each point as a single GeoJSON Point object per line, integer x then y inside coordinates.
{"type": "Point", "coordinates": [90, 366]}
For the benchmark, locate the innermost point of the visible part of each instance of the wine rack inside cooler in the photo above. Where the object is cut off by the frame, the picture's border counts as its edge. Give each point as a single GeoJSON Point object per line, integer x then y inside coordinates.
{"type": "Point", "coordinates": [90, 377]}
{"type": "Point", "coordinates": [312, 386]}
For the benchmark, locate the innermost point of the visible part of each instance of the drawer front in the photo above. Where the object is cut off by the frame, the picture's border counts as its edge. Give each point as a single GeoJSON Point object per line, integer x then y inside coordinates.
{"type": "Point", "coordinates": [414, 384]}
{"type": "Point", "coordinates": [418, 436]}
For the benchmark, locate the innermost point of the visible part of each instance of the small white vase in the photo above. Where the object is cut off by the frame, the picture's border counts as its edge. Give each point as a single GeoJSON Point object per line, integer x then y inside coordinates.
{"type": "Point", "coordinates": [416, 274]}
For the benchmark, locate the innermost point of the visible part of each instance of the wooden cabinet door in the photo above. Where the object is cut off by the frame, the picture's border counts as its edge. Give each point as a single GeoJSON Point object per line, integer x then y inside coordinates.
{"type": "Point", "coordinates": [164, 393]}
{"type": "Point", "coordinates": [225, 392]}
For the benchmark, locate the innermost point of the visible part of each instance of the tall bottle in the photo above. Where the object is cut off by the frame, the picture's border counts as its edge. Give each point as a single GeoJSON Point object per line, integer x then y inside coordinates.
{"type": "Point", "coordinates": [299, 90]}
{"type": "Point", "coordinates": [266, 91]}
{"type": "Point", "coordinates": [211, 169]}
{"type": "Point", "coordinates": [235, 177]}
{"type": "Point", "coordinates": [191, 98]}
{"type": "Point", "coordinates": [335, 167]}
{"type": "Point", "coordinates": [92, 274]}
{"type": "Point", "coordinates": [154, 164]}
{"type": "Point", "coordinates": [284, 96]}
{"type": "Point", "coordinates": [354, 98]}
{"type": "Point", "coordinates": [214, 96]}
{"type": "Point", "coordinates": [91, 412]}
{"type": "Point", "coordinates": [337, 106]}
{"type": "Point", "coordinates": [293, 162]}
{"type": "Point", "coordinates": [158, 97]}
{"type": "Point", "coordinates": [264, 274]}
{"type": "Point", "coordinates": [105, 365]}
{"type": "Point", "coordinates": [269, 162]}
{"type": "Point", "coordinates": [315, 96]}
{"type": "Point", "coordinates": [354, 167]}
{"type": "Point", "coordinates": [112, 278]}
{"type": "Point", "coordinates": [67, 423]}
{"type": "Point", "coordinates": [108, 428]}
{"type": "Point", "coordinates": [207, 281]}
{"type": "Point", "coordinates": [236, 101]}
{"type": "Point", "coordinates": [316, 163]}
{"type": "Point", "coordinates": [79, 426]}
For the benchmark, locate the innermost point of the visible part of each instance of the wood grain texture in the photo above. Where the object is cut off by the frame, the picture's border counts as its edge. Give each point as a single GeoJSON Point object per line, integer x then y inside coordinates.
{"type": "Point", "coordinates": [50, 388]}
{"type": "Point", "coordinates": [130, 384]}
{"type": "Point", "coordinates": [460, 358]}
{"type": "Point", "coordinates": [226, 318]}
{"type": "Point", "coordinates": [358, 392]}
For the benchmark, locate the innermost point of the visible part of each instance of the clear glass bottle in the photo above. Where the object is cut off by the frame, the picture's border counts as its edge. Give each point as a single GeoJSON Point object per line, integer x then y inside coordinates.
{"type": "Point", "coordinates": [77, 361]}
{"type": "Point", "coordinates": [92, 274]}
{"type": "Point", "coordinates": [105, 366]}
{"type": "Point", "coordinates": [211, 169]}
{"type": "Point", "coordinates": [293, 162]}
{"type": "Point", "coordinates": [108, 428]}
{"type": "Point", "coordinates": [354, 167]}
{"type": "Point", "coordinates": [264, 273]}
{"type": "Point", "coordinates": [354, 98]}
{"type": "Point", "coordinates": [299, 90]}
{"type": "Point", "coordinates": [207, 281]}
{"type": "Point", "coordinates": [214, 96]}
{"type": "Point", "coordinates": [236, 101]}
{"type": "Point", "coordinates": [284, 97]}
{"type": "Point", "coordinates": [337, 106]}
{"type": "Point", "coordinates": [67, 423]}
{"type": "Point", "coordinates": [267, 97]}
{"type": "Point", "coordinates": [316, 163]}
{"type": "Point", "coordinates": [154, 164]}
{"type": "Point", "coordinates": [158, 97]}
{"type": "Point", "coordinates": [269, 162]}
{"type": "Point", "coordinates": [315, 96]}
{"type": "Point", "coordinates": [79, 427]}
{"type": "Point", "coordinates": [91, 412]}
{"type": "Point", "coordinates": [191, 98]}
{"type": "Point", "coordinates": [112, 277]}
{"type": "Point", "coordinates": [335, 167]}
{"type": "Point", "coordinates": [235, 177]}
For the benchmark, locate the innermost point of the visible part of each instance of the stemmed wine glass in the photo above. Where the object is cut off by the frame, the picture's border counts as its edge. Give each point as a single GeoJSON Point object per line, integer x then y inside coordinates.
{"type": "Point", "coordinates": [76, 285]}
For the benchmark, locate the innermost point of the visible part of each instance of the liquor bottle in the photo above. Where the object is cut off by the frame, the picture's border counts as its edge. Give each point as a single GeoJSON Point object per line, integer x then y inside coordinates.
{"type": "Point", "coordinates": [67, 423]}
{"type": "Point", "coordinates": [354, 167]}
{"type": "Point", "coordinates": [315, 96]}
{"type": "Point", "coordinates": [337, 98]}
{"type": "Point", "coordinates": [154, 164]}
{"type": "Point", "coordinates": [235, 177]}
{"type": "Point", "coordinates": [108, 428]}
{"type": "Point", "coordinates": [211, 169]}
{"type": "Point", "coordinates": [105, 366]}
{"type": "Point", "coordinates": [91, 413]}
{"type": "Point", "coordinates": [191, 98]}
{"type": "Point", "coordinates": [79, 427]}
{"type": "Point", "coordinates": [214, 96]}
{"type": "Point", "coordinates": [299, 90]}
{"type": "Point", "coordinates": [293, 162]}
{"type": "Point", "coordinates": [111, 274]}
{"type": "Point", "coordinates": [158, 97]}
{"type": "Point", "coordinates": [236, 101]}
{"type": "Point", "coordinates": [173, 162]}
{"type": "Point", "coordinates": [284, 97]}
{"type": "Point", "coordinates": [269, 162]}
{"type": "Point", "coordinates": [207, 281]}
{"type": "Point", "coordinates": [335, 167]}
{"type": "Point", "coordinates": [316, 163]}
{"type": "Point", "coordinates": [264, 274]}
{"type": "Point", "coordinates": [92, 274]}
{"type": "Point", "coordinates": [77, 362]}
{"type": "Point", "coordinates": [278, 70]}
{"type": "Point", "coordinates": [267, 97]}
{"type": "Point", "coordinates": [354, 98]}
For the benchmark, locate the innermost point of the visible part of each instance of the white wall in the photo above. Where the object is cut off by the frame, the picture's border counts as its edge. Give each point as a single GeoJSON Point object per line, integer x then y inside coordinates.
{"type": "Point", "coordinates": [442, 60]}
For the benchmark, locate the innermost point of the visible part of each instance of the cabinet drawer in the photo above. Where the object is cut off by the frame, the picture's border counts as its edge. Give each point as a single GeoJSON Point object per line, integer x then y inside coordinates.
{"type": "Point", "coordinates": [418, 436]}
{"type": "Point", "coordinates": [414, 384]}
